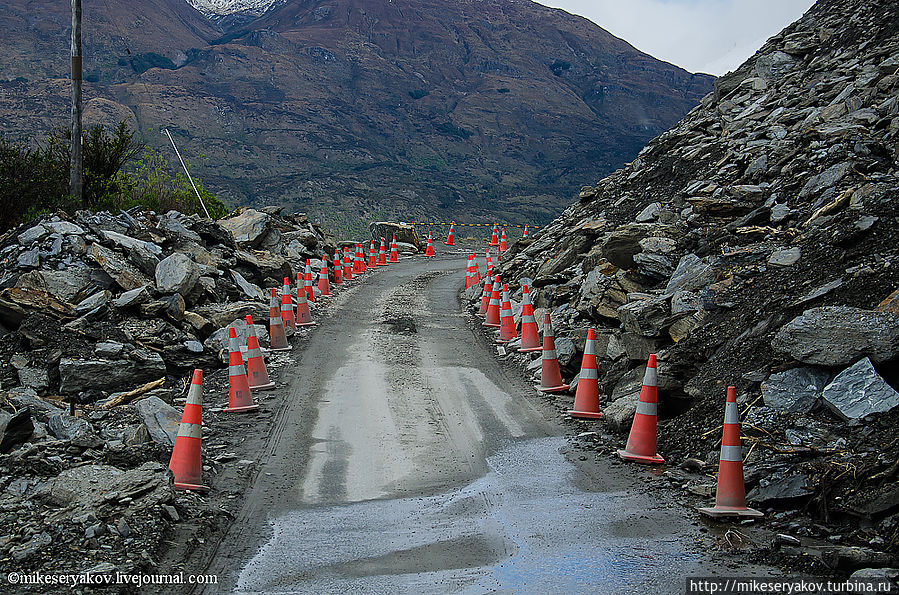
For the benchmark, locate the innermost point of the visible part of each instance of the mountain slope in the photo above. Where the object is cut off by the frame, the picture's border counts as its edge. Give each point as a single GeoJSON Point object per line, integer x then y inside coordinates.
{"type": "Point", "coordinates": [756, 244]}
{"type": "Point", "coordinates": [408, 109]}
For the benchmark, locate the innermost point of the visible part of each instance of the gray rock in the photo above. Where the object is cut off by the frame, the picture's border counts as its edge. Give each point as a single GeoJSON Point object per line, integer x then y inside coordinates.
{"type": "Point", "coordinates": [795, 390]}
{"type": "Point", "coordinates": [779, 212]}
{"type": "Point", "coordinates": [650, 213]}
{"type": "Point", "coordinates": [36, 376]}
{"type": "Point", "coordinates": [97, 300]}
{"type": "Point", "coordinates": [40, 409]}
{"type": "Point", "coordinates": [32, 234]}
{"type": "Point", "coordinates": [170, 224]}
{"type": "Point", "coordinates": [177, 274]}
{"type": "Point", "coordinates": [127, 243]}
{"type": "Point", "coordinates": [109, 375]}
{"type": "Point", "coordinates": [37, 543]}
{"type": "Point", "coordinates": [64, 228]}
{"type": "Point", "coordinates": [160, 418]}
{"type": "Point", "coordinates": [839, 335]}
{"type": "Point", "coordinates": [123, 272]}
{"type": "Point", "coordinates": [644, 317]}
{"type": "Point", "coordinates": [108, 349]}
{"type": "Point", "coordinates": [404, 233]}
{"type": "Point", "coordinates": [684, 301]}
{"type": "Point", "coordinates": [654, 266]}
{"type": "Point", "coordinates": [619, 414]}
{"type": "Point", "coordinates": [75, 429]}
{"type": "Point", "coordinates": [251, 290]}
{"type": "Point", "coordinates": [144, 260]}
{"type": "Point", "coordinates": [780, 490]}
{"type": "Point", "coordinates": [15, 429]}
{"type": "Point", "coordinates": [247, 228]}
{"type": "Point", "coordinates": [87, 487]}
{"type": "Point", "coordinates": [565, 350]}
{"type": "Point", "coordinates": [136, 435]}
{"type": "Point", "coordinates": [30, 259]}
{"type": "Point", "coordinates": [691, 274]}
{"type": "Point", "coordinates": [859, 391]}
{"type": "Point", "coordinates": [134, 297]}
{"type": "Point", "coordinates": [785, 258]}
{"type": "Point", "coordinates": [825, 180]}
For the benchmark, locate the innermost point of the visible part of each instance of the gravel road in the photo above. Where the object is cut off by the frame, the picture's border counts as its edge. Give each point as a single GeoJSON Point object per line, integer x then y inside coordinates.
{"type": "Point", "coordinates": [408, 459]}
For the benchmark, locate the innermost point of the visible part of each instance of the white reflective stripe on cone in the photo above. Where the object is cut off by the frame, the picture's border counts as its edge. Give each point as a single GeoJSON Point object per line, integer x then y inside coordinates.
{"type": "Point", "coordinates": [647, 408]}
{"type": "Point", "coordinates": [236, 371]}
{"type": "Point", "coordinates": [187, 430]}
{"type": "Point", "coordinates": [528, 318]}
{"type": "Point", "coordinates": [651, 377]}
{"type": "Point", "coordinates": [589, 374]}
{"type": "Point", "coordinates": [195, 395]}
{"type": "Point", "coordinates": [731, 414]}
{"type": "Point", "coordinates": [549, 354]}
{"type": "Point", "coordinates": [254, 352]}
{"type": "Point", "coordinates": [733, 454]}
{"type": "Point", "coordinates": [590, 348]}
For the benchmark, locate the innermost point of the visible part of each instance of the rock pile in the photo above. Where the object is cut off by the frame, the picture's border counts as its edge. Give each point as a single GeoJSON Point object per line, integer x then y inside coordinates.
{"type": "Point", "coordinates": [103, 310]}
{"type": "Point", "coordinates": [756, 243]}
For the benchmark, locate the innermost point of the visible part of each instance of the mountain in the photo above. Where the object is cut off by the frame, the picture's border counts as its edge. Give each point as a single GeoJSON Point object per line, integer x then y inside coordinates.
{"type": "Point", "coordinates": [357, 109]}
{"type": "Point", "coordinates": [756, 244]}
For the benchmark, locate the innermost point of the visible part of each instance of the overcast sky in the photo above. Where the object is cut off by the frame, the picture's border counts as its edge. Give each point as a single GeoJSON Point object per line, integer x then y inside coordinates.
{"type": "Point", "coordinates": [713, 36]}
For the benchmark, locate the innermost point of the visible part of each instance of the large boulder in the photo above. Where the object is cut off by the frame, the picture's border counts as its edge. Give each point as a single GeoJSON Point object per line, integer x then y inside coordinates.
{"type": "Point", "coordinates": [122, 271]}
{"type": "Point", "coordinates": [177, 274]}
{"type": "Point", "coordinates": [74, 429]}
{"type": "Point", "coordinates": [692, 274]}
{"type": "Point", "coordinates": [403, 233]}
{"type": "Point", "coordinates": [78, 375]}
{"type": "Point", "coordinates": [160, 418]}
{"type": "Point", "coordinates": [839, 335]}
{"type": "Point", "coordinates": [249, 227]}
{"type": "Point", "coordinates": [795, 390]}
{"type": "Point", "coordinates": [859, 391]}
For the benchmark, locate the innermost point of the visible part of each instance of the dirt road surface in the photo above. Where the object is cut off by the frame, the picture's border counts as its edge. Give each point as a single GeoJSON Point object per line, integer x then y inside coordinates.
{"type": "Point", "coordinates": [408, 459]}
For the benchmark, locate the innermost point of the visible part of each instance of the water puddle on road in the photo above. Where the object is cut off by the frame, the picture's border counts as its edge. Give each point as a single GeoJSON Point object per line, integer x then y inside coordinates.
{"type": "Point", "coordinates": [523, 528]}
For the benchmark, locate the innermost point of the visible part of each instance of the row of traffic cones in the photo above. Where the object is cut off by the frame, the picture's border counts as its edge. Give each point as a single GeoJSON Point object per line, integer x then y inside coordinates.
{"type": "Point", "coordinates": [185, 461]}
{"type": "Point", "coordinates": [641, 446]}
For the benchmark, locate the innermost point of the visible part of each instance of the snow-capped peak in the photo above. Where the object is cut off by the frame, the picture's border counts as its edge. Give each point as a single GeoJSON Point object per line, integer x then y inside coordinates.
{"type": "Point", "coordinates": [226, 7]}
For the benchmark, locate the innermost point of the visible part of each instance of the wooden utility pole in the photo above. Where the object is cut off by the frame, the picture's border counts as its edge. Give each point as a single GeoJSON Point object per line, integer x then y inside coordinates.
{"type": "Point", "coordinates": [75, 163]}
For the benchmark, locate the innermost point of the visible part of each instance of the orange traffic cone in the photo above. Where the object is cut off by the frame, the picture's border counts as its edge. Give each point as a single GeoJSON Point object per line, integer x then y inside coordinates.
{"type": "Point", "coordinates": [429, 251]}
{"type": "Point", "coordinates": [324, 285]}
{"type": "Point", "coordinates": [730, 497]}
{"type": "Point", "coordinates": [502, 241]}
{"type": "Point", "coordinates": [530, 338]}
{"type": "Point", "coordinates": [449, 238]}
{"type": "Point", "coordinates": [586, 398]}
{"type": "Point", "coordinates": [394, 255]}
{"type": "Point", "coordinates": [347, 265]}
{"type": "Point", "coordinates": [257, 375]}
{"type": "Point", "coordinates": [372, 255]}
{"type": "Point", "coordinates": [186, 463]}
{"type": "Point", "coordinates": [485, 296]}
{"type": "Point", "coordinates": [493, 239]}
{"type": "Point", "coordinates": [382, 256]}
{"type": "Point", "coordinates": [239, 396]}
{"type": "Point", "coordinates": [287, 316]}
{"type": "Point", "coordinates": [489, 265]}
{"type": "Point", "coordinates": [307, 280]}
{"type": "Point", "coordinates": [338, 270]}
{"type": "Point", "coordinates": [507, 330]}
{"type": "Point", "coordinates": [550, 376]}
{"type": "Point", "coordinates": [276, 337]}
{"type": "Point", "coordinates": [525, 231]}
{"type": "Point", "coordinates": [641, 443]}
{"type": "Point", "coordinates": [476, 274]}
{"type": "Point", "coordinates": [304, 316]}
{"type": "Point", "coordinates": [469, 281]}
{"type": "Point", "coordinates": [493, 315]}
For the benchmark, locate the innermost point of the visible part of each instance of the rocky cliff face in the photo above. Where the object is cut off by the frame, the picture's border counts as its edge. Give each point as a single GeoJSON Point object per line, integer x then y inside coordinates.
{"type": "Point", "coordinates": [755, 244]}
{"type": "Point", "coordinates": [342, 108]}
